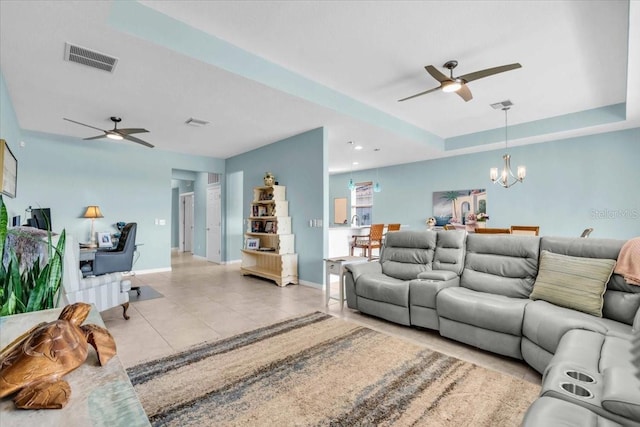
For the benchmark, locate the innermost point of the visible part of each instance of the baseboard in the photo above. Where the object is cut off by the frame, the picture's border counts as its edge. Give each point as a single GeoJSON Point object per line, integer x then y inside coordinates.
{"type": "Point", "coordinates": [149, 271]}
{"type": "Point", "coordinates": [311, 284]}
{"type": "Point", "coordinates": [233, 261]}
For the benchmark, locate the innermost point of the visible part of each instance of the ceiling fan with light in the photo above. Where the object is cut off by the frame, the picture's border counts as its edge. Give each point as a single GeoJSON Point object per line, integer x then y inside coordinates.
{"type": "Point", "coordinates": [459, 84]}
{"type": "Point", "coordinates": [115, 133]}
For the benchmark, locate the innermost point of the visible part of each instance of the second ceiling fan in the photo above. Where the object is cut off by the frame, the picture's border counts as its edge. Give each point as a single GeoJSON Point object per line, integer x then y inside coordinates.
{"type": "Point", "coordinates": [116, 133]}
{"type": "Point", "coordinates": [459, 84]}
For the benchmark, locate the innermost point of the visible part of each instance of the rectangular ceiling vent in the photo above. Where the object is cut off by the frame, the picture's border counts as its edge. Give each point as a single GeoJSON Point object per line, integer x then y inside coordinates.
{"type": "Point", "coordinates": [90, 58]}
{"type": "Point", "coordinates": [196, 122]}
{"type": "Point", "coordinates": [502, 104]}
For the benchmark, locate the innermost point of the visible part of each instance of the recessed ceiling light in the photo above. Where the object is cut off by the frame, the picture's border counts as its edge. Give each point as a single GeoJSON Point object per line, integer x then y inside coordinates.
{"type": "Point", "coordinates": [358, 147]}
{"type": "Point", "coordinates": [356, 163]}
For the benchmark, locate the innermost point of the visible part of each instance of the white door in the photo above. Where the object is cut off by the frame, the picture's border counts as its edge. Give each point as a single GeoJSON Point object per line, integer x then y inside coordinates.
{"type": "Point", "coordinates": [187, 222]}
{"type": "Point", "coordinates": [214, 223]}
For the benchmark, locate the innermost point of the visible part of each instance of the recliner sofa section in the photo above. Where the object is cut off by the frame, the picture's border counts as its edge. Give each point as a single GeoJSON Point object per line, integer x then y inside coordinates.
{"type": "Point", "coordinates": [487, 309]}
{"type": "Point", "coordinates": [478, 289]}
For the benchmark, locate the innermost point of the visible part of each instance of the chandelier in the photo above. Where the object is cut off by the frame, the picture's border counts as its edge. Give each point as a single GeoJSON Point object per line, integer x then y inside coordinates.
{"type": "Point", "coordinates": [506, 177]}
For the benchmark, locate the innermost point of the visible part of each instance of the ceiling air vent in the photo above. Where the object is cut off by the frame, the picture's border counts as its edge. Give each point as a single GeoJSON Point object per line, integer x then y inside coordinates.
{"type": "Point", "coordinates": [90, 58]}
{"type": "Point", "coordinates": [196, 122]}
{"type": "Point", "coordinates": [502, 104]}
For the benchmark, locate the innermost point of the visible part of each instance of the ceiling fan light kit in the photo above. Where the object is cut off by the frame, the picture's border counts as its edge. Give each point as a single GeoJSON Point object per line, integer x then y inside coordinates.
{"type": "Point", "coordinates": [506, 178]}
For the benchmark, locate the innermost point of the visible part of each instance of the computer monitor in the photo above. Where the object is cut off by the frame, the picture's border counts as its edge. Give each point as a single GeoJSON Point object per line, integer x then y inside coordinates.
{"type": "Point", "coordinates": [41, 218]}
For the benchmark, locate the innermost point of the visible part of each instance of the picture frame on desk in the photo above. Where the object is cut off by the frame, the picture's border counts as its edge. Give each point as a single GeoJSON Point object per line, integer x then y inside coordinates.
{"type": "Point", "coordinates": [269, 227]}
{"type": "Point", "coordinates": [252, 244]}
{"type": "Point", "coordinates": [9, 171]}
{"type": "Point", "coordinates": [104, 240]}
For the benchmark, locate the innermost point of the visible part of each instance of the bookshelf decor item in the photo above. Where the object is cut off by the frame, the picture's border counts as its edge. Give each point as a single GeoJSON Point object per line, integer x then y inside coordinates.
{"type": "Point", "coordinates": [269, 244]}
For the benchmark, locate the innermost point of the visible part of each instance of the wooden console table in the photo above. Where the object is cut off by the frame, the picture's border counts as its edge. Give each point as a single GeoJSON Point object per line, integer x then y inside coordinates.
{"type": "Point", "coordinates": [100, 395]}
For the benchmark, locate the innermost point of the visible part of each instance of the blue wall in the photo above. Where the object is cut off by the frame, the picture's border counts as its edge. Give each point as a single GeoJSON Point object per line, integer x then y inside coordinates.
{"type": "Point", "coordinates": [571, 184]}
{"type": "Point", "coordinates": [300, 164]}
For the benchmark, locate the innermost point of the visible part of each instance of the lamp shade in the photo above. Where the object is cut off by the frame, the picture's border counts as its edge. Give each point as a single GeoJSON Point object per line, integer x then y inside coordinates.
{"type": "Point", "coordinates": [93, 212]}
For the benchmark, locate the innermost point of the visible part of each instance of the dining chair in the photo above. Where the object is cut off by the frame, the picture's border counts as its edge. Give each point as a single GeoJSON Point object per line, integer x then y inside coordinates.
{"type": "Point", "coordinates": [493, 230]}
{"type": "Point", "coordinates": [368, 242]}
{"type": "Point", "coordinates": [529, 230]}
{"type": "Point", "coordinates": [449, 227]}
{"type": "Point", "coordinates": [586, 232]}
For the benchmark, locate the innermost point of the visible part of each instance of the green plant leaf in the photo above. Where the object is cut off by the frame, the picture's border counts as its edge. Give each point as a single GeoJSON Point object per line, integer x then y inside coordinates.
{"type": "Point", "coordinates": [9, 307]}
{"type": "Point", "coordinates": [4, 222]}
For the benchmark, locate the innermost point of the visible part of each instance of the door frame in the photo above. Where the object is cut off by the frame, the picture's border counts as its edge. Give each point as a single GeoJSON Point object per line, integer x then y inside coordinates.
{"type": "Point", "coordinates": [181, 220]}
{"type": "Point", "coordinates": [215, 259]}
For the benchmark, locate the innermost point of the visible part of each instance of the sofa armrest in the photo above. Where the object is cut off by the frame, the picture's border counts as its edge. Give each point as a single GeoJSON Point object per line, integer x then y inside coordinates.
{"type": "Point", "coordinates": [621, 393]}
{"type": "Point", "coordinates": [424, 290]}
{"type": "Point", "coordinates": [437, 275]}
{"type": "Point", "coordinates": [363, 268]}
{"type": "Point", "coordinates": [636, 322]}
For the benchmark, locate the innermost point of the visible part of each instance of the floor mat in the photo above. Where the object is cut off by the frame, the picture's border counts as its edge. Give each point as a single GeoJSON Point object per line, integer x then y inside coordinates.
{"type": "Point", "coordinates": [146, 293]}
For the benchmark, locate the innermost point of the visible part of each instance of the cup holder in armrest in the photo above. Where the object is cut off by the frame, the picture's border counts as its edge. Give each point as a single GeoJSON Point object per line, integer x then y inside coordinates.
{"type": "Point", "coordinates": [580, 376]}
{"type": "Point", "coordinates": [576, 390]}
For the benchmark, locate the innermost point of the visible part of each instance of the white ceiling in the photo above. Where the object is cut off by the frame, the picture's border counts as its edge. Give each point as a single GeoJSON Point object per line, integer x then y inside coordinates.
{"type": "Point", "coordinates": [575, 57]}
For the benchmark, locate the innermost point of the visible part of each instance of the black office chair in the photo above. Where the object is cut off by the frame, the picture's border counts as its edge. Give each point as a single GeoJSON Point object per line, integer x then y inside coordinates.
{"type": "Point", "coordinates": [121, 258]}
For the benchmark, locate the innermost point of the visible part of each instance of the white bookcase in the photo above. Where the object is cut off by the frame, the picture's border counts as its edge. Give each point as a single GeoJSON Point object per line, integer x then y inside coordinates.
{"type": "Point", "coordinates": [269, 249]}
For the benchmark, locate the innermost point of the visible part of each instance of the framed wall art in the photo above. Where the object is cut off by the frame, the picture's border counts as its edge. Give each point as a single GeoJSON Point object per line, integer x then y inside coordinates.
{"type": "Point", "coordinates": [9, 170]}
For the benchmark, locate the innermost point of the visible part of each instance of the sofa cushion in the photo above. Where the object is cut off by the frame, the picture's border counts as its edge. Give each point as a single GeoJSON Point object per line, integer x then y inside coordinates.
{"type": "Point", "coordinates": [407, 253]}
{"type": "Point", "coordinates": [549, 411]}
{"type": "Point", "coordinates": [573, 282]}
{"type": "Point", "coordinates": [615, 306]}
{"type": "Point", "coordinates": [545, 324]}
{"type": "Point", "coordinates": [488, 311]}
{"type": "Point", "coordinates": [449, 253]}
{"type": "Point", "coordinates": [621, 393]}
{"type": "Point", "coordinates": [501, 264]}
{"type": "Point", "coordinates": [380, 287]}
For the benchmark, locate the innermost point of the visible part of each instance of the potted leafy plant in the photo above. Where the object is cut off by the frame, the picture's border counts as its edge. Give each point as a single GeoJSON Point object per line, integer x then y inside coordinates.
{"type": "Point", "coordinates": [34, 286]}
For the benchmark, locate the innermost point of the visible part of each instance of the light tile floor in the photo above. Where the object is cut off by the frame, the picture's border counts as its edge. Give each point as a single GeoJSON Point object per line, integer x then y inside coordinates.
{"type": "Point", "coordinates": [204, 302]}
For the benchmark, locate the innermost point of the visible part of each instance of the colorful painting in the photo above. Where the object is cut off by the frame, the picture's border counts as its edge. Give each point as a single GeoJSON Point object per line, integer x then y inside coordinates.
{"type": "Point", "coordinates": [454, 206]}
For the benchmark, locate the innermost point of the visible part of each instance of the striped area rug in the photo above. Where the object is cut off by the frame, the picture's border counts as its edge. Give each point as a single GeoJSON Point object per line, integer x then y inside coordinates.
{"type": "Point", "coordinates": [319, 370]}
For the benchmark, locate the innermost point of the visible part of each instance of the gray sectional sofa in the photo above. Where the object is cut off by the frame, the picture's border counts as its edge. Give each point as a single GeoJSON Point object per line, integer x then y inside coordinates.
{"type": "Point", "coordinates": [538, 299]}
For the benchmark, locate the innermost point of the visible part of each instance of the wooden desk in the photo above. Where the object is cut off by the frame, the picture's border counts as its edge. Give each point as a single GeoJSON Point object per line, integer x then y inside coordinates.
{"type": "Point", "coordinates": [100, 395]}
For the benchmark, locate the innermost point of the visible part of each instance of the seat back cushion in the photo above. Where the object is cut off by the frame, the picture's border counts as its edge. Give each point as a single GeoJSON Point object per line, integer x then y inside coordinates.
{"type": "Point", "coordinates": [501, 264]}
{"type": "Point", "coordinates": [407, 253]}
{"type": "Point", "coordinates": [449, 254]}
{"type": "Point", "coordinates": [621, 300]}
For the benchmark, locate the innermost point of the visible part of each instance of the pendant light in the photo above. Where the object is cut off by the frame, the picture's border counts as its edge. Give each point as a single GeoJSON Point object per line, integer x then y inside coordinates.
{"type": "Point", "coordinates": [352, 185]}
{"type": "Point", "coordinates": [506, 178]}
{"type": "Point", "coordinates": [377, 187]}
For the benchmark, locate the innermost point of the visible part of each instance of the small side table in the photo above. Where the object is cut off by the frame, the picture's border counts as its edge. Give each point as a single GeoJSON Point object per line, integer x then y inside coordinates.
{"type": "Point", "coordinates": [336, 266]}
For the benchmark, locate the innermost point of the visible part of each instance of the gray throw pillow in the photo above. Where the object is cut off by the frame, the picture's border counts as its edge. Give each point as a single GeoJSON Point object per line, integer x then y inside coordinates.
{"type": "Point", "coordinates": [573, 282]}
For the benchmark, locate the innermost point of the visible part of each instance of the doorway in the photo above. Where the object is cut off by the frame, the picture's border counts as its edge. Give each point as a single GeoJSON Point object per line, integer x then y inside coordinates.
{"type": "Point", "coordinates": [186, 221]}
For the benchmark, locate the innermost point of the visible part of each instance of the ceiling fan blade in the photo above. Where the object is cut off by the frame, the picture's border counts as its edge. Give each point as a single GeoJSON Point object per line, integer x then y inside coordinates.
{"type": "Point", "coordinates": [420, 94]}
{"type": "Point", "coordinates": [129, 131]}
{"type": "Point", "coordinates": [95, 137]}
{"type": "Point", "coordinates": [436, 74]}
{"type": "Point", "coordinates": [465, 93]}
{"type": "Point", "coordinates": [137, 140]}
{"type": "Point", "coordinates": [489, 72]}
{"type": "Point", "coordinates": [82, 124]}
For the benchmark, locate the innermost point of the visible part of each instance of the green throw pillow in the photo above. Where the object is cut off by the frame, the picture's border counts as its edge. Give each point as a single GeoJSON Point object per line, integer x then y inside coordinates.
{"type": "Point", "coordinates": [573, 282]}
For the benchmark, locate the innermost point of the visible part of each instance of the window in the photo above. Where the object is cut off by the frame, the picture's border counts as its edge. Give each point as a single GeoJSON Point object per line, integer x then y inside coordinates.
{"type": "Point", "coordinates": [362, 202]}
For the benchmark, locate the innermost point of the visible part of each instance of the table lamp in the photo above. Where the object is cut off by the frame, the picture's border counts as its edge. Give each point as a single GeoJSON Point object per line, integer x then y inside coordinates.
{"type": "Point", "coordinates": [93, 212]}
